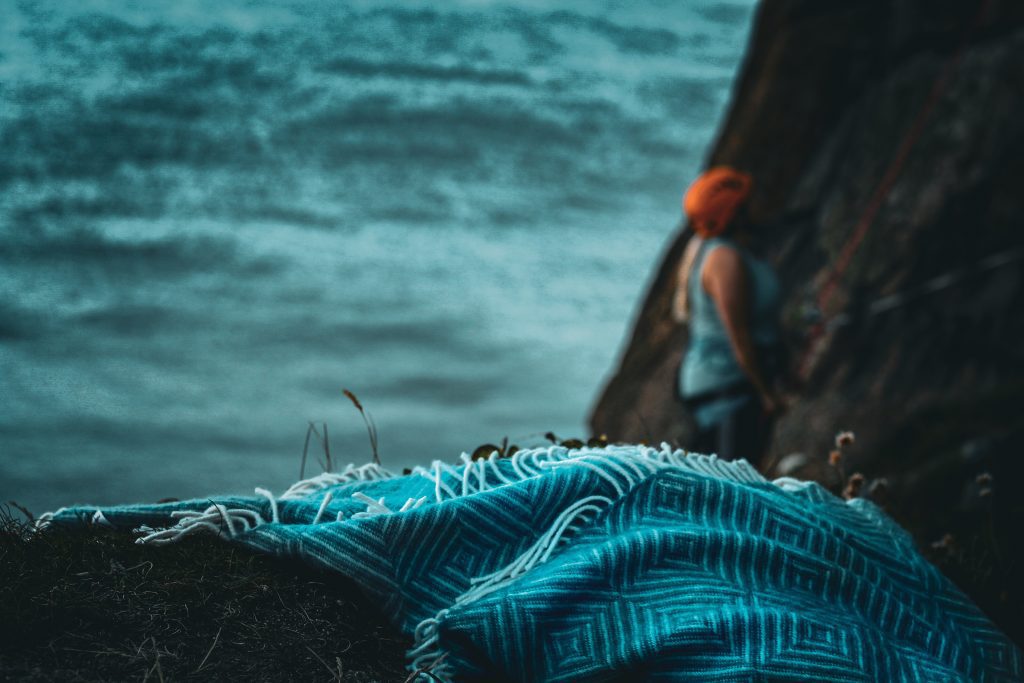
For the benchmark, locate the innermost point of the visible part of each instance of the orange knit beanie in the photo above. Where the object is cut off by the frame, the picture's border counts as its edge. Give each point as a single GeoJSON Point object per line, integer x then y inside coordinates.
{"type": "Point", "coordinates": [712, 200]}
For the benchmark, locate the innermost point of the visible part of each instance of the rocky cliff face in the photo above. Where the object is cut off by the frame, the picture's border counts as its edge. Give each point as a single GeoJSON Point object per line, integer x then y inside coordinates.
{"type": "Point", "coordinates": [924, 354]}
{"type": "Point", "coordinates": [915, 107]}
{"type": "Point", "coordinates": [829, 93]}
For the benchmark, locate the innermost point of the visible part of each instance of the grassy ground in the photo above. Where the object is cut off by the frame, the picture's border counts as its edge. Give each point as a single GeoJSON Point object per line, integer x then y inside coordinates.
{"type": "Point", "coordinates": [97, 607]}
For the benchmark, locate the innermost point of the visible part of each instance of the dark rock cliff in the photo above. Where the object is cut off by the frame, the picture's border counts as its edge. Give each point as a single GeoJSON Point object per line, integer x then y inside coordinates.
{"type": "Point", "coordinates": [915, 105]}
{"type": "Point", "coordinates": [829, 95]}
{"type": "Point", "coordinates": [924, 354]}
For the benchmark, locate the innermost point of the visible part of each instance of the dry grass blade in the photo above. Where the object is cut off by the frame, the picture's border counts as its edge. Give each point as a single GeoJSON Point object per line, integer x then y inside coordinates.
{"type": "Point", "coordinates": [371, 426]}
{"type": "Point", "coordinates": [210, 651]}
{"type": "Point", "coordinates": [23, 510]}
{"type": "Point", "coordinates": [352, 397]}
{"type": "Point", "coordinates": [156, 665]}
{"type": "Point", "coordinates": [327, 449]}
{"type": "Point", "coordinates": [324, 466]}
{"type": "Point", "coordinates": [421, 672]}
{"type": "Point", "coordinates": [427, 671]}
{"type": "Point", "coordinates": [305, 451]}
{"type": "Point", "coordinates": [336, 675]}
{"type": "Point", "coordinates": [374, 439]}
{"type": "Point", "coordinates": [327, 464]}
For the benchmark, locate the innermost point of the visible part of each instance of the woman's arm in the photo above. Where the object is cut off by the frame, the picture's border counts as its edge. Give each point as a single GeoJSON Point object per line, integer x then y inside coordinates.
{"type": "Point", "coordinates": [724, 278]}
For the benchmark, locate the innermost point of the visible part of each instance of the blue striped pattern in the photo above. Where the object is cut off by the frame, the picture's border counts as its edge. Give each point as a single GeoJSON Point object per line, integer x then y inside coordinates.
{"type": "Point", "coordinates": [616, 563]}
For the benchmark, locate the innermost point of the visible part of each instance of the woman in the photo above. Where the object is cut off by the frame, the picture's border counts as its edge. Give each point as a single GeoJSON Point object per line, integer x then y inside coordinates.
{"type": "Point", "coordinates": [730, 300]}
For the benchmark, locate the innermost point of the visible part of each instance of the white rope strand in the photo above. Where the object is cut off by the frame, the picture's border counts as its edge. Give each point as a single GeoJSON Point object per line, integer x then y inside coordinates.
{"type": "Point", "coordinates": [493, 462]}
{"type": "Point", "coordinates": [323, 507]}
{"type": "Point", "coordinates": [274, 516]}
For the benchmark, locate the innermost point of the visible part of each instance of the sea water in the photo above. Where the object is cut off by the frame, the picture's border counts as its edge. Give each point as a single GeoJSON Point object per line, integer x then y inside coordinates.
{"type": "Point", "coordinates": [214, 216]}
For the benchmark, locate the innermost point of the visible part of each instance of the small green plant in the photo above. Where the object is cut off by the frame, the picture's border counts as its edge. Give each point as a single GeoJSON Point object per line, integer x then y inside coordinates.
{"type": "Point", "coordinates": [504, 450]}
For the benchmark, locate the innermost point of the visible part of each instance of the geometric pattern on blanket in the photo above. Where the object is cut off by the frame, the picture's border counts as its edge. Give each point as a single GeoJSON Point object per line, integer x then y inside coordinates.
{"type": "Point", "coordinates": [620, 563]}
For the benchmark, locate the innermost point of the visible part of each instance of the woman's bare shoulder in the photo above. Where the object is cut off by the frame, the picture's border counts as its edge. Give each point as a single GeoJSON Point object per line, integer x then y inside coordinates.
{"type": "Point", "coordinates": [722, 260]}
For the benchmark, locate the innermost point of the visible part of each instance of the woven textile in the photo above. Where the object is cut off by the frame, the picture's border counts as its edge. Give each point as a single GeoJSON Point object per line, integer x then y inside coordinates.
{"type": "Point", "coordinates": [625, 563]}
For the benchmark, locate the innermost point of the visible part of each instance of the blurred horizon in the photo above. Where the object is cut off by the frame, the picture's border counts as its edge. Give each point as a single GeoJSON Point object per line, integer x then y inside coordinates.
{"type": "Point", "coordinates": [214, 218]}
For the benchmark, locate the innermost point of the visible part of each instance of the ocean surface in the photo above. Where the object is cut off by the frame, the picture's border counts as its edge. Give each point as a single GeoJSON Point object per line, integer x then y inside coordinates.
{"type": "Point", "coordinates": [214, 216]}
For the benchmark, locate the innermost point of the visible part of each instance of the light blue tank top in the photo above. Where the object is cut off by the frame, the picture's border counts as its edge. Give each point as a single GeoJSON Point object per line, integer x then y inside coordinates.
{"type": "Point", "coordinates": [709, 363]}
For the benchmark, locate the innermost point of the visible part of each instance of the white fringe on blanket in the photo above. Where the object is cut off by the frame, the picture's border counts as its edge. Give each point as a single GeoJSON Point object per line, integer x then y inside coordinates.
{"type": "Point", "coordinates": [368, 472]}
{"type": "Point", "coordinates": [476, 476]}
{"type": "Point", "coordinates": [216, 519]}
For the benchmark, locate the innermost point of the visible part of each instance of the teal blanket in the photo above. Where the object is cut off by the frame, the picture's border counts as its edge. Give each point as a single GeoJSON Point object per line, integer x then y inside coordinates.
{"type": "Point", "coordinates": [623, 563]}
